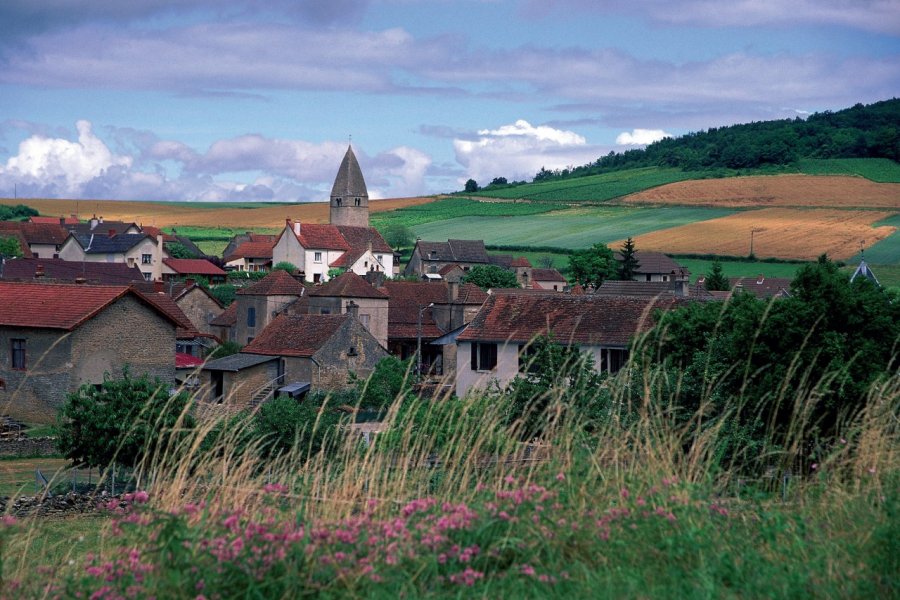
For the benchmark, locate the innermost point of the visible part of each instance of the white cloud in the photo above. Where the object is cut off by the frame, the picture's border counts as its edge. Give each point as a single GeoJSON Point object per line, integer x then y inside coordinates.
{"type": "Point", "coordinates": [518, 151]}
{"type": "Point", "coordinates": [62, 163]}
{"type": "Point", "coordinates": [641, 137]}
{"type": "Point", "coordinates": [245, 168]}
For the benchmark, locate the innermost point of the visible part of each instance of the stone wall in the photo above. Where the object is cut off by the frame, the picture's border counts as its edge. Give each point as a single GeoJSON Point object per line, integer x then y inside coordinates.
{"type": "Point", "coordinates": [28, 447]}
{"type": "Point", "coordinates": [63, 505]}
{"type": "Point", "coordinates": [200, 309]}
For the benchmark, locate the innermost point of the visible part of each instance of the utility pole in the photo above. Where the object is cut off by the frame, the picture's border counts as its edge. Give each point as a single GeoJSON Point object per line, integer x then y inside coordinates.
{"type": "Point", "coordinates": [752, 231]}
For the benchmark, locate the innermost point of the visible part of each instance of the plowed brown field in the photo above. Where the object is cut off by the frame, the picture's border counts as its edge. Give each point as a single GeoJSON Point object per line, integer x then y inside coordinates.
{"type": "Point", "coordinates": [198, 214]}
{"type": "Point", "coordinates": [778, 233]}
{"type": "Point", "coordinates": [775, 190]}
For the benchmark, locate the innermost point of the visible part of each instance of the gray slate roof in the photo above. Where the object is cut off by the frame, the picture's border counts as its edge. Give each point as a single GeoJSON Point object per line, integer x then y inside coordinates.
{"type": "Point", "coordinates": [863, 270]}
{"type": "Point", "coordinates": [236, 362]}
{"type": "Point", "coordinates": [467, 251]}
{"type": "Point", "coordinates": [349, 181]}
{"type": "Point", "coordinates": [103, 244]}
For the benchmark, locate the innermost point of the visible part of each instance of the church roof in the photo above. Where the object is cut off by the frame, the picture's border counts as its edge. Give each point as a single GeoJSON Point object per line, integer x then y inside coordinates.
{"type": "Point", "coordinates": [349, 180]}
{"type": "Point", "coordinates": [863, 270]}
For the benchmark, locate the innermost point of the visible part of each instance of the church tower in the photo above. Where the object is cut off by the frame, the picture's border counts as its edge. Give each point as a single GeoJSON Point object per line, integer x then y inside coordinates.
{"type": "Point", "coordinates": [349, 197]}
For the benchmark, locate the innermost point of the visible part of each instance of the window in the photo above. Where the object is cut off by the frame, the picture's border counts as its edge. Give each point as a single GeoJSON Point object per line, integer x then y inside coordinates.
{"type": "Point", "coordinates": [317, 278]}
{"type": "Point", "coordinates": [146, 259]}
{"type": "Point", "coordinates": [364, 319]}
{"type": "Point", "coordinates": [484, 356]}
{"type": "Point", "coordinates": [17, 350]}
{"type": "Point", "coordinates": [148, 276]}
{"type": "Point", "coordinates": [317, 257]}
{"type": "Point", "coordinates": [356, 201]}
{"type": "Point", "coordinates": [34, 255]}
{"type": "Point", "coordinates": [2, 384]}
{"type": "Point", "coordinates": [337, 201]}
{"type": "Point", "coordinates": [251, 317]}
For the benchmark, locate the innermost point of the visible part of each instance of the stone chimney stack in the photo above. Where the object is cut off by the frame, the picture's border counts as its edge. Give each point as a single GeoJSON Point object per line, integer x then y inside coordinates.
{"type": "Point", "coordinates": [158, 286]}
{"type": "Point", "coordinates": [297, 228]}
{"type": "Point", "coordinates": [39, 271]}
{"type": "Point", "coordinates": [453, 291]}
{"type": "Point", "coordinates": [353, 309]}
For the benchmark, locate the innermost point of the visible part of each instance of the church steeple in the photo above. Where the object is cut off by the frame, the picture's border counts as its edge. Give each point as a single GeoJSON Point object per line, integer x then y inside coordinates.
{"type": "Point", "coordinates": [349, 197]}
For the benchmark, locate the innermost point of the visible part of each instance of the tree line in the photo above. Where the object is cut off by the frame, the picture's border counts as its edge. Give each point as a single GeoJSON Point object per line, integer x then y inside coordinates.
{"type": "Point", "coordinates": [862, 131]}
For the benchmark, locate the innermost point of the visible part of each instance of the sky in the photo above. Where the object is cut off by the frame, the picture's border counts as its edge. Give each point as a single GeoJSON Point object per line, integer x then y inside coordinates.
{"type": "Point", "coordinates": [253, 100]}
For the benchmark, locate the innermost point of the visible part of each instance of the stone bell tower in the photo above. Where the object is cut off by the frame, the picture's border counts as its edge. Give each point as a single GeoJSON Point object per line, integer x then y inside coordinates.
{"type": "Point", "coordinates": [349, 197]}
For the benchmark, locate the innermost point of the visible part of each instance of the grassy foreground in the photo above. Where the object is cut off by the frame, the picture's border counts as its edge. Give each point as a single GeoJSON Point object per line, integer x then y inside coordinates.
{"type": "Point", "coordinates": [629, 505]}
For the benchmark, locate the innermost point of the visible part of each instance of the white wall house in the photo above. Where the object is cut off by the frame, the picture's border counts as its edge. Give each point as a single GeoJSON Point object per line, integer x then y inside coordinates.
{"type": "Point", "coordinates": [494, 346]}
{"type": "Point", "coordinates": [133, 249]}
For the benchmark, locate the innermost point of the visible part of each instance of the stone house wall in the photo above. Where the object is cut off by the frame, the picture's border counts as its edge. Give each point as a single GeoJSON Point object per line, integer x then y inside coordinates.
{"type": "Point", "coordinates": [58, 362]}
{"type": "Point", "coordinates": [200, 309]}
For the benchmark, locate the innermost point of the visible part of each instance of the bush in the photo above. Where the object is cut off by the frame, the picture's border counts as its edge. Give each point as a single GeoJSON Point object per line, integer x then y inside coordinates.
{"type": "Point", "coordinates": [123, 421]}
{"type": "Point", "coordinates": [284, 425]}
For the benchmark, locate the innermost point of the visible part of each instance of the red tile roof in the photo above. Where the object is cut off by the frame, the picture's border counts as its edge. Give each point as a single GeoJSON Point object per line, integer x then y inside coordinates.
{"type": "Point", "coordinates": [347, 259]}
{"type": "Point", "coordinates": [184, 360]}
{"type": "Point", "coordinates": [276, 283]}
{"type": "Point", "coordinates": [360, 237]}
{"type": "Point", "coordinates": [54, 220]}
{"type": "Point", "coordinates": [520, 261]}
{"type": "Point", "coordinates": [316, 236]}
{"type": "Point", "coordinates": [228, 318]}
{"type": "Point", "coordinates": [37, 233]}
{"type": "Point", "coordinates": [547, 275]}
{"type": "Point", "coordinates": [252, 249]}
{"type": "Point", "coordinates": [348, 285]}
{"type": "Point", "coordinates": [61, 306]}
{"type": "Point", "coordinates": [585, 320]}
{"type": "Point", "coordinates": [295, 335]}
{"type": "Point", "coordinates": [762, 287]}
{"type": "Point", "coordinates": [193, 266]}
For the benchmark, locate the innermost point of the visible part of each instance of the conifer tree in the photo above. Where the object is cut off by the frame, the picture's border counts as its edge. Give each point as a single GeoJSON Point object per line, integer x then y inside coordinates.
{"type": "Point", "coordinates": [629, 264]}
{"type": "Point", "coordinates": [715, 279]}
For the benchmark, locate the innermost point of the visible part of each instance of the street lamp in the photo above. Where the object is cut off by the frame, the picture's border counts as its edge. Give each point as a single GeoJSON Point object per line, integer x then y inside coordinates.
{"type": "Point", "coordinates": [419, 340]}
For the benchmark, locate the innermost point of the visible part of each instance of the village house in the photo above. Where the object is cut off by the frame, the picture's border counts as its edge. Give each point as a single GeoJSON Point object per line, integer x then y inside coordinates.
{"type": "Point", "coordinates": [494, 347]}
{"type": "Point", "coordinates": [261, 302]}
{"type": "Point", "coordinates": [294, 354]}
{"type": "Point", "coordinates": [656, 266]}
{"type": "Point", "coordinates": [430, 257]}
{"type": "Point", "coordinates": [252, 255]}
{"type": "Point", "coordinates": [350, 293]}
{"type": "Point", "coordinates": [224, 325]}
{"type": "Point", "coordinates": [239, 239]}
{"type": "Point", "coordinates": [133, 249]}
{"type": "Point", "coordinates": [761, 286]}
{"type": "Point", "coordinates": [427, 314]}
{"type": "Point", "coordinates": [43, 240]}
{"type": "Point", "coordinates": [545, 279]}
{"type": "Point", "coordinates": [56, 337]}
{"type": "Point", "coordinates": [347, 242]}
{"type": "Point", "coordinates": [97, 225]}
{"type": "Point", "coordinates": [64, 221]}
{"type": "Point", "coordinates": [189, 339]}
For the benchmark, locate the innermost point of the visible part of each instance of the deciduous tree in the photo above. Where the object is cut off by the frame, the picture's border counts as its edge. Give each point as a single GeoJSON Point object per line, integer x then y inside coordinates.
{"type": "Point", "coordinates": [592, 266]}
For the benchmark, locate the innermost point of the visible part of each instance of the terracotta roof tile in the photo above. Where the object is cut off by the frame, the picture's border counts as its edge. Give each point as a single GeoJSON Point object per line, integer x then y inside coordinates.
{"type": "Point", "coordinates": [348, 285]}
{"type": "Point", "coordinates": [547, 275]}
{"type": "Point", "coordinates": [295, 335]}
{"type": "Point", "coordinates": [590, 320]}
{"type": "Point", "coordinates": [58, 305]}
{"type": "Point", "coordinates": [37, 233]}
{"type": "Point", "coordinates": [276, 283]}
{"type": "Point", "coordinates": [520, 261]}
{"type": "Point", "coordinates": [187, 361]}
{"type": "Point", "coordinates": [228, 318]}
{"type": "Point", "coordinates": [54, 220]}
{"type": "Point", "coordinates": [316, 236]}
{"type": "Point", "coordinates": [252, 249]}
{"type": "Point", "coordinates": [166, 304]}
{"type": "Point", "coordinates": [762, 287]}
{"type": "Point", "coordinates": [193, 266]}
{"type": "Point", "coordinates": [360, 237]}
{"type": "Point", "coordinates": [347, 259]}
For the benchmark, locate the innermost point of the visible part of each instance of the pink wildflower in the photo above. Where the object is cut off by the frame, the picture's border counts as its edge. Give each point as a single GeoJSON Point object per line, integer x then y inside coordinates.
{"type": "Point", "coordinates": [560, 476]}
{"type": "Point", "coordinates": [814, 466]}
{"type": "Point", "coordinates": [527, 570]}
{"type": "Point", "coordinates": [624, 493]}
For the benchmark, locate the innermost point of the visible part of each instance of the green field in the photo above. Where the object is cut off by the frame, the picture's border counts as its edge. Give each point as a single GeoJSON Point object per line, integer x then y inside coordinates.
{"type": "Point", "coordinates": [573, 228]}
{"type": "Point", "coordinates": [880, 170]}
{"type": "Point", "coordinates": [887, 251]}
{"type": "Point", "coordinates": [451, 208]}
{"type": "Point", "coordinates": [743, 268]}
{"type": "Point", "coordinates": [597, 188]}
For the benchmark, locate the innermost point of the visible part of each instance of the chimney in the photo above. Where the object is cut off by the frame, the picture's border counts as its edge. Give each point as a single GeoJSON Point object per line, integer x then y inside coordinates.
{"type": "Point", "coordinates": [112, 233]}
{"type": "Point", "coordinates": [62, 221]}
{"type": "Point", "coordinates": [297, 228]}
{"type": "Point", "coordinates": [453, 291]}
{"type": "Point", "coordinates": [158, 286]}
{"type": "Point", "coordinates": [94, 222]}
{"type": "Point", "coordinates": [761, 279]}
{"type": "Point", "coordinates": [39, 271]}
{"type": "Point", "coordinates": [353, 309]}
{"type": "Point", "coordinates": [682, 288]}
{"type": "Point", "coordinates": [101, 220]}
{"type": "Point", "coordinates": [189, 282]}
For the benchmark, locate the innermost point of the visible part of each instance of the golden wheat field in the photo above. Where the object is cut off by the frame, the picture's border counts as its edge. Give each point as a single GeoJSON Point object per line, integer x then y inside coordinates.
{"type": "Point", "coordinates": [196, 214]}
{"type": "Point", "coordinates": [775, 190]}
{"type": "Point", "coordinates": [777, 233]}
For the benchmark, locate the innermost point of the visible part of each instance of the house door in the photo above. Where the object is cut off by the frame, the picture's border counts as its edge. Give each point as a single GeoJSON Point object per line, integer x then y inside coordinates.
{"type": "Point", "coordinates": [280, 372]}
{"type": "Point", "coordinates": [218, 380]}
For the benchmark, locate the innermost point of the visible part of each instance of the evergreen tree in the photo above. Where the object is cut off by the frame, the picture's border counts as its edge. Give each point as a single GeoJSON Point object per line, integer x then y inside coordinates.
{"type": "Point", "coordinates": [629, 264]}
{"type": "Point", "coordinates": [715, 279]}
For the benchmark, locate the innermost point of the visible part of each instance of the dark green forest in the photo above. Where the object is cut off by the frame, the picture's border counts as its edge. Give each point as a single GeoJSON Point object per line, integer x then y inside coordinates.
{"type": "Point", "coordinates": [871, 131]}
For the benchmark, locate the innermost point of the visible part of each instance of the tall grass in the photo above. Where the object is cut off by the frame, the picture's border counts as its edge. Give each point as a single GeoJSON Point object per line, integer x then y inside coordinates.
{"type": "Point", "coordinates": [451, 501]}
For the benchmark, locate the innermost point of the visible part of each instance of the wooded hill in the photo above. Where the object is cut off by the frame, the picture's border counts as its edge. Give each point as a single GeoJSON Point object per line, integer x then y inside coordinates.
{"type": "Point", "coordinates": [871, 131]}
